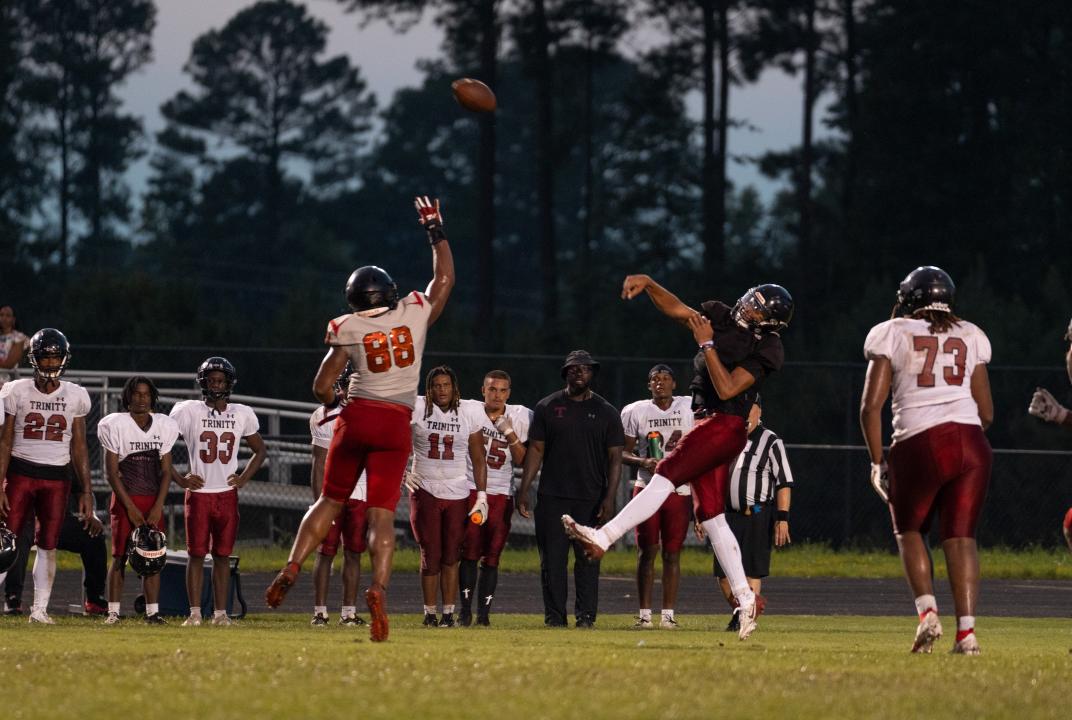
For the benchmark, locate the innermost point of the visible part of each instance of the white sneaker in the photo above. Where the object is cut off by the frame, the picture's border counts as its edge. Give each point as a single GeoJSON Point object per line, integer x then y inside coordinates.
{"type": "Point", "coordinates": [746, 615]}
{"type": "Point", "coordinates": [667, 623]}
{"type": "Point", "coordinates": [112, 619]}
{"type": "Point", "coordinates": [39, 615]}
{"type": "Point", "coordinates": [968, 646]}
{"type": "Point", "coordinates": [929, 630]}
{"type": "Point", "coordinates": [192, 621]}
{"type": "Point", "coordinates": [643, 624]}
{"type": "Point", "coordinates": [586, 536]}
{"type": "Point", "coordinates": [221, 620]}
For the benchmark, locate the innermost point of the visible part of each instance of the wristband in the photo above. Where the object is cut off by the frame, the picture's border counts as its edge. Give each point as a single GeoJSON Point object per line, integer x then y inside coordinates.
{"type": "Point", "coordinates": [781, 515]}
{"type": "Point", "coordinates": [707, 344]}
{"type": "Point", "coordinates": [435, 233]}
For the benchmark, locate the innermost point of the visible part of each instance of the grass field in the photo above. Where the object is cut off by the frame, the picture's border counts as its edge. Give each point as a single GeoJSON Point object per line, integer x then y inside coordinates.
{"type": "Point", "coordinates": [803, 560]}
{"type": "Point", "coordinates": [279, 667]}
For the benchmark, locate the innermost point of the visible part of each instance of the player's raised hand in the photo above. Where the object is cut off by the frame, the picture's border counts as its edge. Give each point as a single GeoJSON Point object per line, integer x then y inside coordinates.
{"type": "Point", "coordinates": [430, 218]}
{"type": "Point", "coordinates": [880, 480]}
{"type": "Point", "coordinates": [701, 328]}
{"type": "Point", "coordinates": [504, 425]}
{"type": "Point", "coordinates": [1045, 407]}
{"type": "Point", "coordinates": [634, 285]}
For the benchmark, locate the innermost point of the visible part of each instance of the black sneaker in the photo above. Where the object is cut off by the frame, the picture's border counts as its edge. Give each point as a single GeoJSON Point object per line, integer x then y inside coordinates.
{"type": "Point", "coordinates": [734, 624]}
{"type": "Point", "coordinates": [12, 609]}
{"type": "Point", "coordinates": [483, 619]}
{"type": "Point", "coordinates": [155, 619]}
{"type": "Point", "coordinates": [447, 620]}
{"type": "Point", "coordinates": [430, 620]}
{"type": "Point", "coordinates": [351, 620]}
{"type": "Point", "coordinates": [465, 619]}
{"type": "Point", "coordinates": [319, 620]}
{"type": "Point", "coordinates": [585, 623]}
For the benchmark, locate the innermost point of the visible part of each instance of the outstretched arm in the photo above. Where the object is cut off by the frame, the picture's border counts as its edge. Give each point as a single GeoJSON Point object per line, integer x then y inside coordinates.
{"type": "Point", "coordinates": [442, 260]}
{"type": "Point", "coordinates": [667, 302]}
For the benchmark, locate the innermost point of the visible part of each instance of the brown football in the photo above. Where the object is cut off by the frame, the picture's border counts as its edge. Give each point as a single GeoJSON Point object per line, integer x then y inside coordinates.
{"type": "Point", "coordinates": [473, 95]}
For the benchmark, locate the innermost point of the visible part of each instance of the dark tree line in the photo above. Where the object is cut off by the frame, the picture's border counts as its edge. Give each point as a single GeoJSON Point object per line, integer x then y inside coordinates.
{"type": "Point", "coordinates": [930, 133]}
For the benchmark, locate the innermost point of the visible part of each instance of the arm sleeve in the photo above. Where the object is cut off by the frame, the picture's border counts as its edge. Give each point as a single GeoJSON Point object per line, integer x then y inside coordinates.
{"type": "Point", "coordinates": [982, 349]}
{"type": "Point", "coordinates": [783, 475]}
{"type": "Point", "coordinates": [522, 419]}
{"type": "Point", "coordinates": [767, 357]}
{"type": "Point", "coordinates": [615, 431]}
{"type": "Point", "coordinates": [169, 435]}
{"type": "Point", "coordinates": [538, 429]}
{"type": "Point", "coordinates": [106, 436]}
{"type": "Point", "coordinates": [629, 421]}
{"type": "Point", "coordinates": [84, 404]}
{"type": "Point", "coordinates": [879, 342]}
{"type": "Point", "coordinates": [320, 432]}
{"type": "Point", "coordinates": [251, 425]}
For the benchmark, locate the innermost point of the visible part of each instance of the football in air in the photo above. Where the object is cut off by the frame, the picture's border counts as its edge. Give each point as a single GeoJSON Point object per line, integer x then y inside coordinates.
{"type": "Point", "coordinates": [473, 95]}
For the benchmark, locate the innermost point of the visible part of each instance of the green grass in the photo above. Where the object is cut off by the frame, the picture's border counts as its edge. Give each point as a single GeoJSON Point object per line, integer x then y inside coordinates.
{"type": "Point", "coordinates": [278, 667]}
{"type": "Point", "coordinates": [805, 560]}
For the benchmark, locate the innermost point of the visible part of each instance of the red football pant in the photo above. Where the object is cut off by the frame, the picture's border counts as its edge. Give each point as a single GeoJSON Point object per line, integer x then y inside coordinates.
{"type": "Point", "coordinates": [438, 527]}
{"type": "Point", "coordinates": [703, 458]}
{"type": "Point", "coordinates": [211, 522]}
{"type": "Point", "coordinates": [944, 468]}
{"type": "Point", "coordinates": [488, 540]}
{"type": "Point", "coordinates": [670, 523]}
{"type": "Point", "coordinates": [369, 436]}
{"type": "Point", "coordinates": [47, 499]}
{"type": "Point", "coordinates": [121, 527]}
{"type": "Point", "coordinates": [351, 528]}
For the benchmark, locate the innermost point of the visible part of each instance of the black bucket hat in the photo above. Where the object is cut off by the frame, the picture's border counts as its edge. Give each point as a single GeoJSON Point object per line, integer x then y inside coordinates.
{"type": "Point", "coordinates": [579, 357]}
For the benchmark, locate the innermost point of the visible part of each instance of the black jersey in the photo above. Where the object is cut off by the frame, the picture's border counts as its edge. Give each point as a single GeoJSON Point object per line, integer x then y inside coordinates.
{"type": "Point", "coordinates": [736, 347]}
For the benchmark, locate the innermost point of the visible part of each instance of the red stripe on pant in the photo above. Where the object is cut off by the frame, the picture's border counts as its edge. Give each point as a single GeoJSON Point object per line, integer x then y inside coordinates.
{"type": "Point", "coordinates": [703, 458]}
{"type": "Point", "coordinates": [46, 498]}
{"type": "Point", "coordinates": [370, 436]}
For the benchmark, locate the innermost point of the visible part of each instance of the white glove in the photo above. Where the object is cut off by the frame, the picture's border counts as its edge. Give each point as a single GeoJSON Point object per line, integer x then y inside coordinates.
{"type": "Point", "coordinates": [411, 482]}
{"type": "Point", "coordinates": [504, 425]}
{"type": "Point", "coordinates": [481, 507]}
{"type": "Point", "coordinates": [1045, 406]}
{"type": "Point", "coordinates": [880, 480]}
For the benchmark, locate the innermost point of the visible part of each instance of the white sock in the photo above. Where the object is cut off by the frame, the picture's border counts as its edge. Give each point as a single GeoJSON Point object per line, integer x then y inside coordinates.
{"type": "Point", "coordinates": [645, 614]}
{"type": "Point", "coordinates": [348, 611]}
{"type": "Point", "coordinates": [448, 609]}
{"type": "Point", "coordinates": [320, 610]}
{"type": "Point", "coordinates": [150, 608]}
{"type": "Point", "coordinates": [728, 552]}
{"type": "Point", "coordinates": [668, 614]}
{"type": "Point", "coordinates": [646, 503]}
{"type": "Point", "coordinates": [965, 622]}
{"type": "Point", "coordinates": [44, 572]}
{"type": "Point", "coordinates": [195, 612]}
{"type": "Point", "coordinates": [219, 613]}
{"type": "Point", "coordinates": [113, 607]}
{"type": "Point", "coordinates": [429, 609]}
{"type": "Point", "coordinates": [925, 603]}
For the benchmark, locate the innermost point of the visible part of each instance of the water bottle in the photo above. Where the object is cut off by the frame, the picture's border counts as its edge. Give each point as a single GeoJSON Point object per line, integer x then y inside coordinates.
{"type": "Point", "coordinates": [655, 445]}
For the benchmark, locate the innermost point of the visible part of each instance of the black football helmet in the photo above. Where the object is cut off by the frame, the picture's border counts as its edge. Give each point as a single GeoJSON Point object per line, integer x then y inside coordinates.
{"type": "Point", "coordinates": [9, 548]}
{"type": "Point", "coordinates": [370, 288]}
{"type": "Point", "coordinates": [223, 365]}
{"type": "Point", "coordinates": [764, 309]}
{"type": "Point", "coordinates": [147, 551]}
{"type": "Point", "coordinates": [926, 288]}
{"type": "Point", "coordinates": [49, 342]}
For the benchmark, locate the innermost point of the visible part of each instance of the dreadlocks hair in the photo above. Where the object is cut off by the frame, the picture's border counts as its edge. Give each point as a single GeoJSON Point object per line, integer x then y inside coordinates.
{"type": "Point", "coordinates": [498, 375]}
{"type": "Point", "coordinates": [455, 397]}
{"type": "Point", "coordinates": [938, 321]}
{"type": "Point", "coordinates": [132, 384]}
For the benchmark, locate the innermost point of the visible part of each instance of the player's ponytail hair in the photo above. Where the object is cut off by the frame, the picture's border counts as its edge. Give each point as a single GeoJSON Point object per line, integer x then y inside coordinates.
{"type": "Point", "coordinates": [455, 397]}
{"type": "Point", "coordinates": [938, 321]}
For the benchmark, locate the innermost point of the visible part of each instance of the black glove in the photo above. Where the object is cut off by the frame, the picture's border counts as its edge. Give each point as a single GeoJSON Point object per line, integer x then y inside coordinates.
{"type": "Point", "coordinates": [429, 217]}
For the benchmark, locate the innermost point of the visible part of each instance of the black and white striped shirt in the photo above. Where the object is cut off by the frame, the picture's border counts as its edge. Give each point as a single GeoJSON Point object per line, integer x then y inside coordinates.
{"type": "Point", "coordinates": [760, 470]}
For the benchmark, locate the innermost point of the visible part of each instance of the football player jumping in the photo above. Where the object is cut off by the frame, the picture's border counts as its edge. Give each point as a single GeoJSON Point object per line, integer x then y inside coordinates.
{"type": "Point", "coordinates": [212, 428]}
{"type": "Point", "coordinates": [137, 461]}
{"type": "Point", "coordinates": [506, 430]}
{"type": "Point", "coordinates": [44, 431]}
{"type": "Point", "coordinates": [939, 459]}
{"type": "Point", "coordinates": [739, 346]}
{"type": "Point", "coordinates": [383, 338]}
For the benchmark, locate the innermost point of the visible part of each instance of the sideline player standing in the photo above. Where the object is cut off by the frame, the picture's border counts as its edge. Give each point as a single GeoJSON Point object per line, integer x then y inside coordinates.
{"type": "Point", "coordinates": [739, 347]}
{"type": "Point", "coordinates": [212, 428]}
{"type": "Point", "coordinates": [137, 462]}
{"type": "Point", "coordinates": [939, 457]}
{"type": "Point", "coordinates": [44, 431]}
{"type": "Point", "coordinates": [349, 528]}
{"type": "Point", "coordinates": [383, 338]}
{"type": "Point", "coordinates": [653, 428]}
{"type": "Point", "coordinates": [506, 430]}
{"type": "Point", "coordinates": [446, 439]}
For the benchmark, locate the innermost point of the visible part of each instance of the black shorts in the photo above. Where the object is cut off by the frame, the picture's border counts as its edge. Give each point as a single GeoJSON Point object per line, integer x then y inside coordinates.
{"type": "Point", "coordinates": [754, 534]}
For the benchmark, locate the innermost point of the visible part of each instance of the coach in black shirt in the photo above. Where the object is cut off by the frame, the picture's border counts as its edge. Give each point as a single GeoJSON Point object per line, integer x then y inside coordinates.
{"type": "Point", "coordinates": [577, 437]}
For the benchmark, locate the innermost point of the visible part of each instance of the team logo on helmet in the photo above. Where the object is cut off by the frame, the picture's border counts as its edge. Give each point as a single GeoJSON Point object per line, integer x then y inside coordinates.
{"type": "Point", "coordinates": [370, 290]}
{"type": "Point", "coordinates": [223, 365]}
{"type": "Point", "coordinates": [147, 551]}
{"type": "Point", "coordinates": [764, 309]}
{"type": "Point", "coordinates": [926, 288]}
{"type": "Point", "coordinates": [49, 343]}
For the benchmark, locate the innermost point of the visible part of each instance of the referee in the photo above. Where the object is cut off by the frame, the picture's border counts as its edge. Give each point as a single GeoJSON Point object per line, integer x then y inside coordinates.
{"type": "Point", "coordinates": [758, 506]}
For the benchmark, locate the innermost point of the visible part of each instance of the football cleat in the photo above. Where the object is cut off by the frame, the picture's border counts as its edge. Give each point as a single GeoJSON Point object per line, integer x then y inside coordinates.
{"type": "Point", "coordinates": [734, 624]}
{"type": "Point", "coordinates": [746, 616]}
{"type": "Point", "coordinates": [586, 536]}
{"type": "Point", "coordinates": [465, 619]}
{"type": "Point", "coordinates": [483, 619]}
{"type": "Point", "coordinates": [376, 599]}
{"type": "Point", "coordinates": [430, 620]}
{"type": "Point", "coordinates": [222, 620]}
{"type": "Point", "coordinates": [112, 619]}
{"type": "Point", "coordinates": [353, 620]}
{"type": "Point", "coordinates": [967, 645]}
{"type": "Point", "coordinates": [192, 621]}
{"type": "Point", "coordinates": [643, 624]}
{"type": "Point", "coordinates": [319, 620]}
{"type": "Point", "coordinates": [446, 621]}
{"type": "Point", "coordinates": [667, 623]}
{"type": "Point", "coordinates": [92, 608]}
{"type": "Point", "coordinates": [39, 615]}
{"type": "Point", "coordinates": [275, 593]}
{"type": "Point", "coordinates": [929, 630]}
{"type": "Point", "coordinates": [155, 619]}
